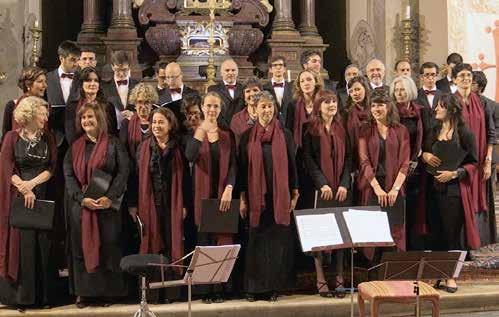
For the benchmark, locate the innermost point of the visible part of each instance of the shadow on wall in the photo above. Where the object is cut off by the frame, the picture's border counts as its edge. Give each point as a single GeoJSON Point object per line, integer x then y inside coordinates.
{"type": "Point", "coordinates": [10, 50]}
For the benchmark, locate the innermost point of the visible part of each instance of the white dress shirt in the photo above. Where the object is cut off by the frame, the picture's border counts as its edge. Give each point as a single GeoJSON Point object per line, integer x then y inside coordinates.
{"type": "Point", "coordinates": [453, 87]}
{"type": "Point", "coordinates": [65, 84]}
{"type": "Point", "coordinates": [232, 92]}
{"type": "Point", "coordinates": [123, 93]}
{"type": "Point", "coordinates": [279, 91]}
{"type": "Point", "coordinates": [430, 97]}
{"type": "Point", "coordinates": [374, 86]}
{"type": "Point", "coordinates": [177, 96]}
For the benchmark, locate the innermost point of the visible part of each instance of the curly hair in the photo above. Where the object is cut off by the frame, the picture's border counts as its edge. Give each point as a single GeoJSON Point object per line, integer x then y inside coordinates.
{"type": "Point", "coordinates": [27, 108]}
{"type": "Point", "coordinates": [319, 84]}
{"type": "Point", "coordinates": [28, 77]}
{"type": "Point", "coordinates": [144, 91]}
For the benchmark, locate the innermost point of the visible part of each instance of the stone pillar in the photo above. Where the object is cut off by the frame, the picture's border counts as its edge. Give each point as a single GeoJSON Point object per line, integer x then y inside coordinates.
{"type": "Point", "coordinates": [285, 40]}
{"type": "Point", "coordinates": [92, 29]}
{"type": "Point", "coordinates": [122, 36]}
{"type": "Point", "coordinates": [307, 24]}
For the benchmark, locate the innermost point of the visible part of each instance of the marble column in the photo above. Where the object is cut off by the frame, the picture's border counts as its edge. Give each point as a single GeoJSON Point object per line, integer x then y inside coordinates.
{"type": "Point", "coordinates": [283, 20]}
{"type": "Point", "coordinates": [93, 22]}
{"type": "Point", "coordinates": [307, 15]}
{"type": "Point", "coordinates": [122, 15]}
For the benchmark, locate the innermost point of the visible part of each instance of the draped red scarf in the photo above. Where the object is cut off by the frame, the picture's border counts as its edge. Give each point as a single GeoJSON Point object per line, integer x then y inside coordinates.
{"type": "Point", "coordinates": [397, 151]}
{"type": "Point", "coordinates": [10, 236]}
{"type": "Point", "coordinates": [202, 170]}
{"type": "Point", "coordinates": [356, 117]}
{"type": "Point", "coordinates": [474, 118]}
{"type": "Point", "coordinates": [83, 171]}
{"type": "Point", "coordinates": [332, 153]}
{"type": "Point", "coordinates": [299, 120]}
{"type": "Point", "coordinates": [470, 227]}
{"type": "Point", "coordinates": [257, 186]}
{"type": "Point", "coordinates": [134, 134]}
{"type": "Point", "coordinates": [413, 111]}
{"type": "Point", "coordinates": [151, 241]}
{"type": "Point", "coordinates": [239, 123]}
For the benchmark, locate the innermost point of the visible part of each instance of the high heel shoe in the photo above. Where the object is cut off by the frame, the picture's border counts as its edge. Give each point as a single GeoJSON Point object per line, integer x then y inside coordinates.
{"type": "Point", "coordinates": [273, 297]}
{"type": "Point", "coordinates": [326, 294]}
{"type": "Point", "coordinates": [339, 290]}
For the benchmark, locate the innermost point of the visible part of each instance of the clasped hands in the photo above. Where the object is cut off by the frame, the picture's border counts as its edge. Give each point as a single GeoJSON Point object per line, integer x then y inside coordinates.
{"type": "Point", "coordinates": [434, 161]}
{"type": "Point", "coordinates": [96, 204]}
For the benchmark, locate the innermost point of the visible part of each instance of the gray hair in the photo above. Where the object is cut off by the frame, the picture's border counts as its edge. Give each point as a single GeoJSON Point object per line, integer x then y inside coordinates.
{"type": "Point", "coordinates": [264, 95]}
{"type": "Point", "coordinates": [27, 108]}
{"type": "Point", "coordinates": [351, 66]}
{"type": "Point", "coordinates": [409, 85]}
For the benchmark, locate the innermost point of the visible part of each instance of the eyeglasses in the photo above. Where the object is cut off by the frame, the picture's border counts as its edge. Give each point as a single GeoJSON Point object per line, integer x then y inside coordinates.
{"type": "Point", "coordinates": [429, 75]}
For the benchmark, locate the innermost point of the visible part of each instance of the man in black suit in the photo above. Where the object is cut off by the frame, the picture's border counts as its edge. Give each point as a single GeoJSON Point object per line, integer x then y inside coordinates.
{"type": "Point", "coordinates": [312, 60]}
{"type": "Point", "coordinates": [59, 87]}
{"type": "Point", "coordinates": [279, 88]}
{"type": "Point", "coordinates": [403, 67]}
{"type": "Point", "coordinates": [230, 91]}
{"type": "Point", "coordinates": [117, 90]}
{"type": "Point", "coordinates": [161, 78]}
{"type": "Point", "coordinates": [351, 71]}
{"type": "Point", "coordinates": [446, 84]}
{"type": "Point", "coordinates": [428, 94]}
{"type": "Point", "coordinates": [375, 72]}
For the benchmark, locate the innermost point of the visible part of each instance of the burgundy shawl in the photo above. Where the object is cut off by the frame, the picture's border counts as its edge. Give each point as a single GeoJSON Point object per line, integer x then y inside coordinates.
{"type": "Point", "coordinates": [474, 118]}
{"type": "Point", "coordinates": [134, 134]}
{"type": "Point", "coordinates": [413, 112]}
{"type": "Point", "coordinates": [465, 187]}
{"type": "Point", "coordinates": [202, 170]}
{"type": "Point", "coordinates": [299, 120]}
{"type": "Point", "coordinates": [356, 117]}
{"type": "Point", "coordinates": [397, 150]}
{"type": "Point", "coordinates": [83, 171]}
{"type": "Point", "coordinates": [151, 241]}
{"type": "Point", "coordinates": [257, 186]}
{"type": "Point", "coordinates": [332, 151]}
{"type": "Point", "coordinates": [10, 236]}
{"type": "Point", "coordinates": [239, 122]}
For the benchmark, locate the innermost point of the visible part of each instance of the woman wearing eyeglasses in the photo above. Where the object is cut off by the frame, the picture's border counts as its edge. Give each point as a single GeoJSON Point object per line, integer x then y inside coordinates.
{"type": "Point", "coordinates": [28, 156]}
{"type": "Point", "coordinates": [95, 224]}
{"type": "Point", "coordinates": [478, 118]}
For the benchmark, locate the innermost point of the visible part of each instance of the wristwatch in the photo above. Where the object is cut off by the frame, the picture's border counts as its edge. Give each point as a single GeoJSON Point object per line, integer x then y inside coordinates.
{"type": "Point", "coordinates": [488, 158]}
{"type": "Point", "coordinates": [396, 188]}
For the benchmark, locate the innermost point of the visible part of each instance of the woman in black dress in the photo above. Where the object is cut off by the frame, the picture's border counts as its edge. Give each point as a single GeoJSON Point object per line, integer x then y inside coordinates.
{"type": "Point", "coordinates": [213, 152]}
{"type": "Point", "coordinates": [163, 188]}
{"type": "Point", "coordinates": [28, 157]}
{"type": "Point", "coordinates": [32, 82]}
{"type": "Point", "coordinates": [328, 159]}
{"type": "Point", "coordinates": [90, 92]}
{"type": "Point", "coordinates": [269, 192]}
{"type": "Point", "coordinates": [95, 224]}
{"type": "Point", "coordinates": [451, 211]}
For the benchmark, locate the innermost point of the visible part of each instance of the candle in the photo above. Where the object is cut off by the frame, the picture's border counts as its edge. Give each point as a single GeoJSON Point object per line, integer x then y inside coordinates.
{"type": "Point", "coordinates": [408, 12]}
{"type": "Point", "coordinates": [36, 23]}
{"type": "Point", "coordinates": [185, 4]}
{"type": "Point", "coordinates": [289, 75]}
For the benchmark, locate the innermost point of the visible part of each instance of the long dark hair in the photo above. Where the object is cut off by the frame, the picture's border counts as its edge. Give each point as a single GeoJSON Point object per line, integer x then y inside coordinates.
{"type": "Point", "coordinates": [170, 116]}
{"type": "Point", "coordinates": [316, 120]}
{"type": "Point", "coordinates": [85, 76]}
{"type": "Point", "coordinates": [454, 112]}
{"type": "Point", "coordinates": [382, 96]}
{"type": "Point", "coordinates": [363, 81]}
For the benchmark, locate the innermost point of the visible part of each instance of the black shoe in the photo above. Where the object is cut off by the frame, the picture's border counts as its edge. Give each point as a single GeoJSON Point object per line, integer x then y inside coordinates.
{"type": "Point", "coordinates": [273, 297]}
{"type": "Point", "coordinates": [339, 291]}
{"type": "Point", "coordinates": [250, 298]}
{"type": "Point", "coordinates": [217, 299]}
{"type": "Point", "coordinates": [326, 294]}
{"type": "Point", "coordinates": [21, 309]}
{"type": "Point", "coordinates": [207, 300]}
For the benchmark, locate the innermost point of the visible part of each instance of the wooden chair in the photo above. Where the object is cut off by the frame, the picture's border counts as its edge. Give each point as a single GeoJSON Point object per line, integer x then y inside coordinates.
{"type": "Point", "coordinates": [378, 292]}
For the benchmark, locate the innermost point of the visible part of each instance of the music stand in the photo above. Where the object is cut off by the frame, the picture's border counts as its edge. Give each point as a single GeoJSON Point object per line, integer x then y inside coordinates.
{"type": "Point", "coordinates": [418, 265]}
{"type": "Point", "coordinates": [209, 265]}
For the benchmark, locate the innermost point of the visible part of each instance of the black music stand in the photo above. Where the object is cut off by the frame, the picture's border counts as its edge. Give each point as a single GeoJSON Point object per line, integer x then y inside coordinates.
{"type": "Point", "coordinates": [419, 265]}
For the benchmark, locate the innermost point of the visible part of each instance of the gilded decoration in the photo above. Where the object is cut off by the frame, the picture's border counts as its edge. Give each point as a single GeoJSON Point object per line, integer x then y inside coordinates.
{"type": "Point", "coordinates": [195, 35]}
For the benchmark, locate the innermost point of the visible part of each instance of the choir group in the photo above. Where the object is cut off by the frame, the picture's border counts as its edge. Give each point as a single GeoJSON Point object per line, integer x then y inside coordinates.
{"type": "Point", "coordinates": [274, 146]}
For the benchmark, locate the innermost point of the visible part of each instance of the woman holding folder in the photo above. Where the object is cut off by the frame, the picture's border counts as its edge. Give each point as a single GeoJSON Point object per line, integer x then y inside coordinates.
{"type": "Point", "coordinates": [212, 150]}
{"type": "Point", "coordinates": [384, 151]}
{"type": "Point", "coordinates": [269, 192]}
{"type": "Point", "coordinates": [163, 187]}
{"type": "Point", "coordinates": [328, 159]}
{"type": "Point", "coordinates": [28, 158]}
{"type": "Point", "coordinates": [95, 222]}
{"type": "Point", "coordinates": [451, 197]}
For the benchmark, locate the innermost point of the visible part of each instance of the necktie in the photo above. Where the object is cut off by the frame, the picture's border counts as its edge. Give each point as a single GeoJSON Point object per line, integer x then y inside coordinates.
{"type": "Point", "coordinates": [429, 92]}
{"type": "Point", "coordinates": [122, 82]}
{"type": "Point", "coordinates": [176, 90]}
{"type": "Point", "coordinates": [67, 75]}
{"type": "Point", "coordinates": [278, 85]}
{"type": "Point", "coordinates": [231, 87]}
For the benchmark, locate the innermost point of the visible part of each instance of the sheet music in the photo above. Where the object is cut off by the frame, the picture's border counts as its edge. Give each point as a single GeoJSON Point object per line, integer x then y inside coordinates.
{"type": "Point", "coordinates": [318, 231]}
{"type": "Point", "coordinates": [368, 226]}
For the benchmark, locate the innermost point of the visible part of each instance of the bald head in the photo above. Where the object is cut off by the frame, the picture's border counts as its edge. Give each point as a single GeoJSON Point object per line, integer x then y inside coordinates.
{"type": "Point", "coordinates": [173, 76]}
{"type": "Point", "coordinates": [229, 71]}
{"type": "Point", "coordinates": [375, 71]}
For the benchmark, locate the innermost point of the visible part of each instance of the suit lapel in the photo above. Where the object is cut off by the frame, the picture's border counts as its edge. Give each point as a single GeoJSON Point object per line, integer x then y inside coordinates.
{"type": "Point", "coordinates": [116, 96]}
{"type": "Point", "coordinates": [55, 83]}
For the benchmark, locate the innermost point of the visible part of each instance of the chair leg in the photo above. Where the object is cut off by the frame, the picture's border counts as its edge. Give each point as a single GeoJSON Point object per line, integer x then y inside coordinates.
{"type": "Point", "coordinates": [362, 308]}
{"type": "Point", "coordinates": [374, 307]}
{"type": "Point", "coordinates": [143, 310]}
{"type": "Point", "coordinates": [435, 308]}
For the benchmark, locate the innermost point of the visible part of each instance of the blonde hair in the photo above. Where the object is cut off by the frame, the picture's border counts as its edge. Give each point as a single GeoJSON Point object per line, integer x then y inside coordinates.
{"type": "Point", "coordinates": [26, 109]}
{"type": "Point", "coordinates": [145, 91]}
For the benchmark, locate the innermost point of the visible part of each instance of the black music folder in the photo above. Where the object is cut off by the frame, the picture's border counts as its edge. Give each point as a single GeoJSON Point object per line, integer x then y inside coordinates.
{"type": "Point", "coordinates": [396, 213]}
{"type": "Point", "coordinates": [99, 184]}
{"type": "Point", "coordinates": [41, 217]}
{"type": "Point", "coordinates": [451, 156]}
{"type": "Point", "coordinates": [333, 203]}
{"type": "Point", "coordinates": [215, 221]}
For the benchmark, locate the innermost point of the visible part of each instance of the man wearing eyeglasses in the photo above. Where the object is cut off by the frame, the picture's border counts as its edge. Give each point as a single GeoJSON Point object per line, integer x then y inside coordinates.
{"type": "Point", "coordinates": [428, 94]}
{"type": "Point", "coordinates": [118, 89]}
{"type": "Point", "coordinates": [278, 87]}
{"type": "Point", "coordinates": [171, 96]}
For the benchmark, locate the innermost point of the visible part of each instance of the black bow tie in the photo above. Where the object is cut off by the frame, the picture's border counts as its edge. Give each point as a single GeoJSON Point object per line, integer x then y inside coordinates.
{"type": "Point", "coordinates": [176, 90]}
{"type": "Point", "coordinates": [122, 82]}
{"type": "Point", "coordinates": [67, 75]}
{"type": "Point", "coordinates": [430, 92]}
{"type": "Point", "coordinates": [231, 87]}
{"type": "Point", "coordinates": [278, 85]}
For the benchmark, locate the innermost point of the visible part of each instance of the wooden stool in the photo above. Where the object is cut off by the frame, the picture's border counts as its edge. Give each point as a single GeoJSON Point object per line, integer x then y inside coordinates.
{"type": "Point", "coordinates": [378, 292]}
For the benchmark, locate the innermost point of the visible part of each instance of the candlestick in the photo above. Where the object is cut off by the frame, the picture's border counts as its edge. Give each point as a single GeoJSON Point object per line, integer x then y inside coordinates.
{"type": "Point", "coordinates": [408, 11]}
{"type": "Point", "coordinates": [36, 23]}
{"type": "Point", "coordinates": [289, 75]}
